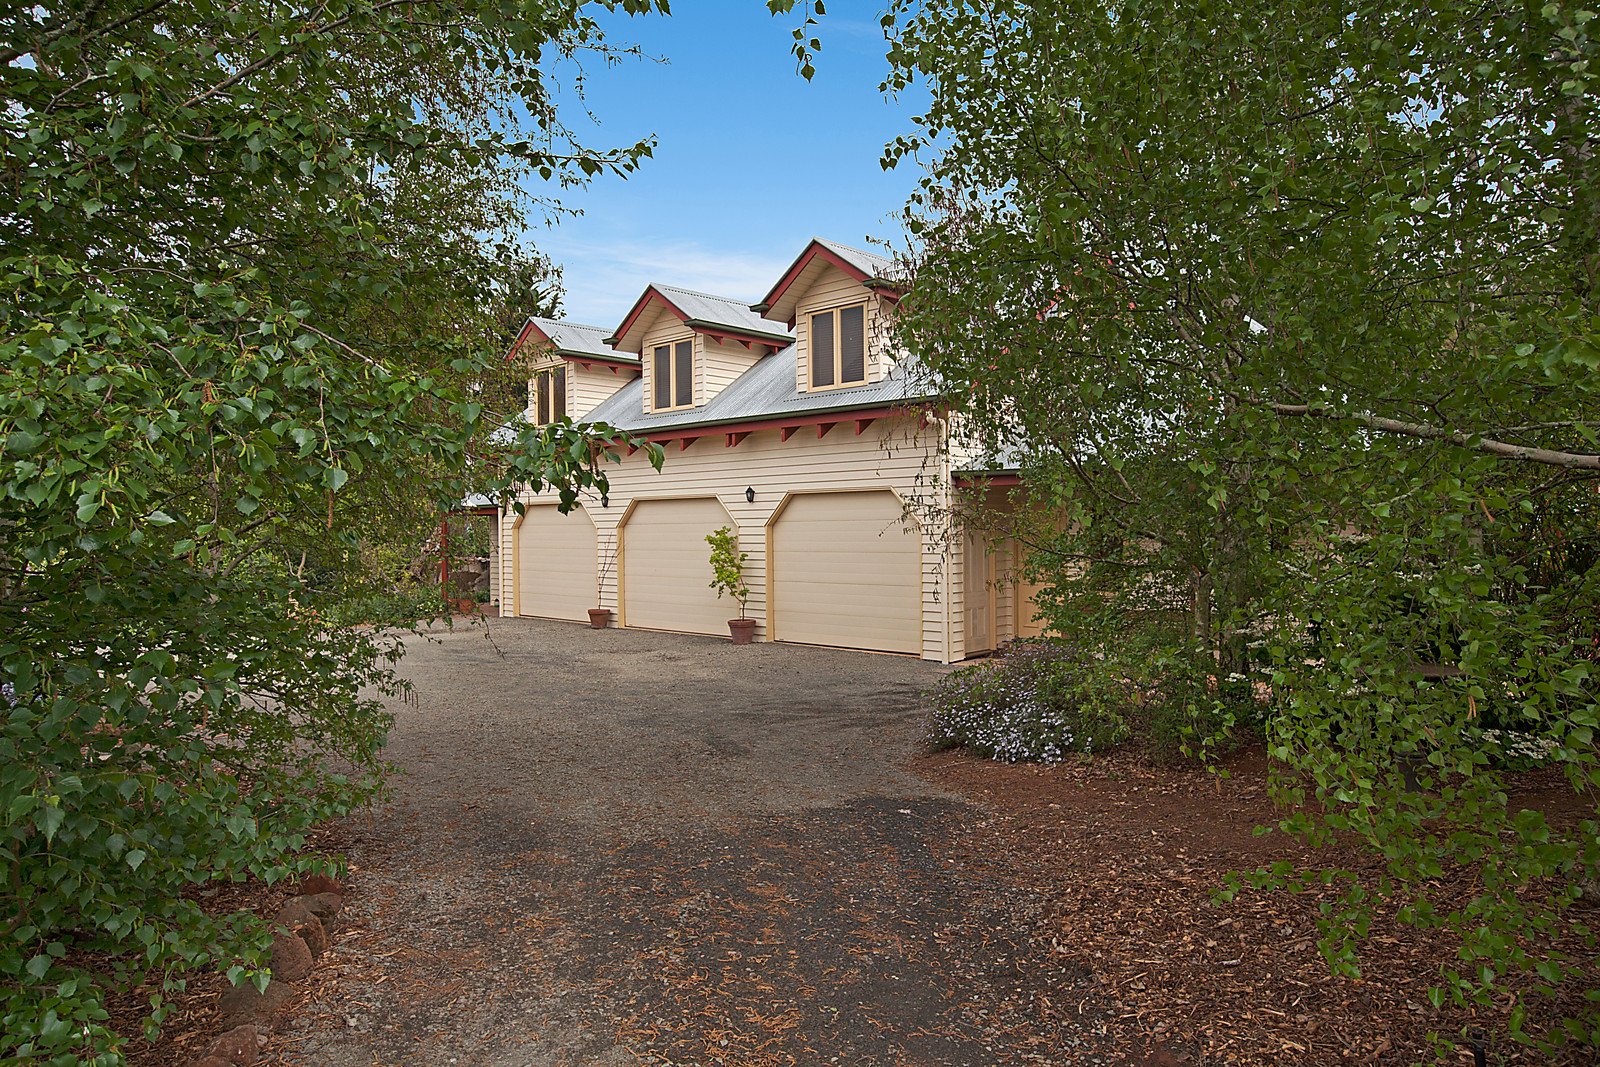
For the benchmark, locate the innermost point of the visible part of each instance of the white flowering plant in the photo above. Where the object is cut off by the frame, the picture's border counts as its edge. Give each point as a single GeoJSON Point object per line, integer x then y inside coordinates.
{"type": "Point", "coordinates": [1038, 703]}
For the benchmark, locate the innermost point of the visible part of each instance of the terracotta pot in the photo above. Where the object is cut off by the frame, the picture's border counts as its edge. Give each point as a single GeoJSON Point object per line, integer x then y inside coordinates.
{"type": "Point", "coordinates": [466, 605]}
{"type": "Point", "coordinates": [742, 630]}
{"type": "Point", "coordinates": [599, 618]}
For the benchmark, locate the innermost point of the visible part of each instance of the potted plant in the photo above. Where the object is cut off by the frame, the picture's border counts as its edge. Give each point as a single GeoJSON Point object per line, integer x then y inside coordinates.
{"type": "Point", "coordinates": [727, 577]}
{"type": "Point", "coordinates": [600, 618]}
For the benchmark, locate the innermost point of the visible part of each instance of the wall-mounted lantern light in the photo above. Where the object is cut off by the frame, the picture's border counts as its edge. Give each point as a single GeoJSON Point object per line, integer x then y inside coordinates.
{"type": "Point", "coordinates": [750, 496]}
{"type": "Point", "coordinates": [605, 501]}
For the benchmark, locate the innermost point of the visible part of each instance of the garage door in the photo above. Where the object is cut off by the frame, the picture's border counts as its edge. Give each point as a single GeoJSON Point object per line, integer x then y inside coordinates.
{"type": "Point", "coordinates": [666, 567]}
{"type": "Point", "coordinates": [555, 564]}
{"type": "Point", "coordinates": [847, 571]}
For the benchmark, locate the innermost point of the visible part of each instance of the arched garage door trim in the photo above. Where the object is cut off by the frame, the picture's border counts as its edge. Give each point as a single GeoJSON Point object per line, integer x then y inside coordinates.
{"type": "Point", "coordinates": [520, 563]}
{"type": "Point", "coordinates": [774, 564]}
{"type": "Point", "coordinates": [628, 515]}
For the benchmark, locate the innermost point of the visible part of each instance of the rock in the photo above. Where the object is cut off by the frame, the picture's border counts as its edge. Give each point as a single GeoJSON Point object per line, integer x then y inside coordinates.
{"type": "Point", "coordinates": [294, 912]}
{"type": "Point", "coordinates": [317, 884]}
{"type": "Point", "coordinates": [238, 1046]}
{"type": "Point", "coordinates": [291, 958]}
{"type": "Point", "coordinates": [301, 915]}
{"type": "Point", "coordinates": [210, 1061]}
{"type": "Point", "coordinates": [242, 1004]}
{"type": "Point", "coordinates": [322, 905]}
{"type": "Point", "coordinates": [312, 933]}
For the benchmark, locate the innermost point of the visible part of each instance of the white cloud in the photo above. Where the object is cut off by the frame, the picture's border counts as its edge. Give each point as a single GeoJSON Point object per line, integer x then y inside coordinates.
{"type": "Point", "coordinates": [604, 278]}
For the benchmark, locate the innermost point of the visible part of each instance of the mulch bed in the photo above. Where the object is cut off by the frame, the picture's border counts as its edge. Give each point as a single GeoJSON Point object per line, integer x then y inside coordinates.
{"type": "Point", "coordinates": [1128, 858]}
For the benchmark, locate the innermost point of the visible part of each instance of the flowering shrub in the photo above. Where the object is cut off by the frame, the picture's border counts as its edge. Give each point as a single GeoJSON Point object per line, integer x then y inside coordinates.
{"type": "Point", "coordinates": [1518, 750]}
{"type": "Point", "coordinates": [1040, 702]}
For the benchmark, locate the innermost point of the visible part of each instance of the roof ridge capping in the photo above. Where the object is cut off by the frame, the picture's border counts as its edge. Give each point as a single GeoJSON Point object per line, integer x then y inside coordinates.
{"type": "Point", "coordinates": [568, 323]}
{"type": "Point", "coordinates": [700, 292]}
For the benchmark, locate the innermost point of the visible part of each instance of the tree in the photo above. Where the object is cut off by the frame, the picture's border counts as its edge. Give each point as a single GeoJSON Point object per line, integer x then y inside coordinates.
{"type": "Point", "coordinates": [249, 254]}
{"type": "Point", "coordinates": [1293, 316]}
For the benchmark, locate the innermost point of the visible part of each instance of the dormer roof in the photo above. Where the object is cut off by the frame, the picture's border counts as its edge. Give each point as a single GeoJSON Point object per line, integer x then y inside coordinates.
{"type": "Point", "coordinates": [719, 317]}
{"type": "Point", "coordinates": [868, 268]}
{"type": "Point", "coordinates": [572, 341]}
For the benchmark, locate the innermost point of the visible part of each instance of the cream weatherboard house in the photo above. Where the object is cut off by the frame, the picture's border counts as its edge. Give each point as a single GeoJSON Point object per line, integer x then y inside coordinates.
{"type": "Point", "coordinates": [786, 420]}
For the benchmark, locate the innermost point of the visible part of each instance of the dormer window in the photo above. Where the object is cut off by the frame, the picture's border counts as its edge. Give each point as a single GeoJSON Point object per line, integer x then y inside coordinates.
{"type": "Point", "coordinates": [838, 347]}
{"type": "Point", "coordinates": [550, 395]}
{"type": "Point", "coordinates": [673, 371]}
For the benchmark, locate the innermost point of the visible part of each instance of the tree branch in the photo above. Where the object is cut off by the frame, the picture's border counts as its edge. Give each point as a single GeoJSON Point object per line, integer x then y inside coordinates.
{"type": "Point", "coordinates": [1500, 449]}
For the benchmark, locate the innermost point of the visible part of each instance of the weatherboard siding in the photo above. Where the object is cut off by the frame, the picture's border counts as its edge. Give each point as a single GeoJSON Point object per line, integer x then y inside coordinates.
{"type": "Point", "coordinates": [588, 387]}
{"type": "Point", "coordinates": [718, 365]}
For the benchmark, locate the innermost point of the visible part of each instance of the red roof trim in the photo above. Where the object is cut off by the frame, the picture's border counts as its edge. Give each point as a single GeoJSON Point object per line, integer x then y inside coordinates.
{"type": "Point", "coordinates": [522, 338]}
{"type": "Point", "coordinates": [786, 425]}
{"type": "Point", "coordinates": [638, 309]}
{"type": "Point", "coordinates": [813, 250]}
{"type": "Point", "coordinates": [587, 358]}
{"type": "Point", "coordinates": [724, 334]}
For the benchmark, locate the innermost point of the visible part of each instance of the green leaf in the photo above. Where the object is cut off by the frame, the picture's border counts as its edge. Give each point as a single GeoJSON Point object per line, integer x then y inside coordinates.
{"type": "Point", "coordinates": [49, 817]}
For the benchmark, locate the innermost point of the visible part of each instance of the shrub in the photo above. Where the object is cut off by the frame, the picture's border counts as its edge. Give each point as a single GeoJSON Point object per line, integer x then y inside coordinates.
{"type": "Point", "coordinates": [1186, 713]}
{"type": "Point", "coordinates": [1039, 702]}
{"type": "Point", "coordinates": [401, 607]}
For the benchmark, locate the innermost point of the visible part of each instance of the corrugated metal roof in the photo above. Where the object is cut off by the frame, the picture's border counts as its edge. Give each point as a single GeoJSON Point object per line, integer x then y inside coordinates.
{"type": "Point", "coordinates": [575, 337]}
{"type": "Point", "coordinates": [767, 390]}
{"type": "Point", "coordinates": [869, 263]}
{"type": "Point", "coordinates": [722, 311]}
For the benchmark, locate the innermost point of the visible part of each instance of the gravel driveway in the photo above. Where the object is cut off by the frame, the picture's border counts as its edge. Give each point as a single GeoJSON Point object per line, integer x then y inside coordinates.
{"type": "Point", "coordinates": [624, 847]}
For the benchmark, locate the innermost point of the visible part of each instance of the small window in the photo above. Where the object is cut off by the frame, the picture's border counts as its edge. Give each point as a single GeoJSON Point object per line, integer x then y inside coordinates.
{"type": "Point", "coordinates": [838, 347]}
{"type": "Point", "coordinates": [550, 395]}
{"type": "Point", "coordinates": [673, 369]}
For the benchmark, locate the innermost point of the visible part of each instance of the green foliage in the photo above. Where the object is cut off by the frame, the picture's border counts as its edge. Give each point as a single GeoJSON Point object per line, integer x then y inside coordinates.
{"type": "Point", "coordinates": [1293, 315]}
{"type": "Point", "coordinates": [401, 606]}
{"type": "Point", "coordinates": [727, 566]}
{"type": "Point", "coordinates": [250, 261]}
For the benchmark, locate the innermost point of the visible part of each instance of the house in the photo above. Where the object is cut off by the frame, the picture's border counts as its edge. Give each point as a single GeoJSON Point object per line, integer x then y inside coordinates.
{"type": "Point", "coordinates": [788, 420]}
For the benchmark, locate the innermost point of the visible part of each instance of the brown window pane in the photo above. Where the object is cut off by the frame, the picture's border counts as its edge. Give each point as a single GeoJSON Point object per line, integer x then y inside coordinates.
{"type": "Point", "coordinates": [663, 376]}
{"type": "Point", "coordinates": [852, 345]}
{"type": "Point", "coordinates": [558, 406]}
{"type": "Point", "coordinates": [544, 397]}
{"type": "Point", "coordinates": [685, 392]}
{"type": "Point", "coordinates": [822, 349]}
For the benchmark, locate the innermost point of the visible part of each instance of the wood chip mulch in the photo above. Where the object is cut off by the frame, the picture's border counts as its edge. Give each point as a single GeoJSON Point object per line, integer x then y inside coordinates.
{"type": "Point", "coordinates": [1128, 858]}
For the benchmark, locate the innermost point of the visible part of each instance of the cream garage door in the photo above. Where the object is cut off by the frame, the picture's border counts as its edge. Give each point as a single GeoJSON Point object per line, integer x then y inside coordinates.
{"type": "Point", "coordinates": [555, 564]}
{"type": "Point", "coordinates": [847, 571]}
{"type": "Point", "coordinates": [666, 567]}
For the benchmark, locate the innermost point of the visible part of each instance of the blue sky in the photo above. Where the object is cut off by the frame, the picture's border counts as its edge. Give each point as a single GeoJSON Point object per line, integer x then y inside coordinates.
{"type": "Point", "coordinates": [752, 160]}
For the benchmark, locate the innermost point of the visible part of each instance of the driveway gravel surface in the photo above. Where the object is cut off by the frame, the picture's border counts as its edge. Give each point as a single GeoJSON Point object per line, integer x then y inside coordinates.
{"type": "Point", "coordinates": [621, 847]}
